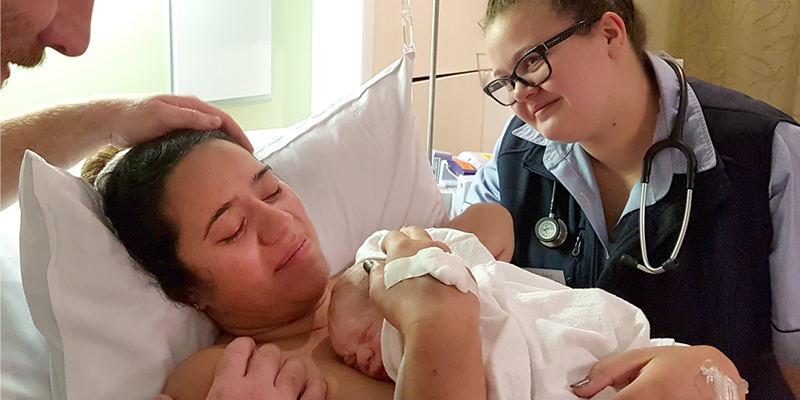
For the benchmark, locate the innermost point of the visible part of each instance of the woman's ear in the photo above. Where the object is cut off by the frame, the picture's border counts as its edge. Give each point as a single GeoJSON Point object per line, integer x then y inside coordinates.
{"type": "Point", "coordinates": [196, 301]}
{"type": "Point", "coordinates": [612, 28]}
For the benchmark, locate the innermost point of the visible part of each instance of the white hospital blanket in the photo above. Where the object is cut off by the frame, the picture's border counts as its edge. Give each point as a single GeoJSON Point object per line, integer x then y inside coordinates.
{"type": "Point", "coordinates": [538, 336]}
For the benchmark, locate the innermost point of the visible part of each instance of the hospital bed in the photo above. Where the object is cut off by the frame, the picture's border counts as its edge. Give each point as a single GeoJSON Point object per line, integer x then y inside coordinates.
{"type": "Point", "coordinates": [105, 331]}
{"type": "Point", "coordinates": [89, 325]}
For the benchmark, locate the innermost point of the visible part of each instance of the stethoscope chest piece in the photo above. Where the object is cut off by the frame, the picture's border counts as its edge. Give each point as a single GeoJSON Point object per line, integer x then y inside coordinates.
{"type": "Point", "coordinates": [551, 231]}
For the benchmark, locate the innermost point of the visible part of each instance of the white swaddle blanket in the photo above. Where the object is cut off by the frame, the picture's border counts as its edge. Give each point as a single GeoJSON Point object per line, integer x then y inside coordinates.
{"type": "Point", "coordinates": [538, 336]}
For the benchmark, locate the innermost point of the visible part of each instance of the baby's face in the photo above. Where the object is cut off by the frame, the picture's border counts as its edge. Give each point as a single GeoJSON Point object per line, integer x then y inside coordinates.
{"type": "Point", "coordinates": [354, 325]}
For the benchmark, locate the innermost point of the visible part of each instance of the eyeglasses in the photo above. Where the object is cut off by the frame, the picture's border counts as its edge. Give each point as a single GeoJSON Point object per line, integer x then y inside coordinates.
{"type": "Point", "coordinates": [532, 69]}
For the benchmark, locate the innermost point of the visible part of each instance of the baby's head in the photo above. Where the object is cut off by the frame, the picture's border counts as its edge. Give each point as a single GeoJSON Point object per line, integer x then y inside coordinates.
{"type": "Point", "coordinates": [354, 324]}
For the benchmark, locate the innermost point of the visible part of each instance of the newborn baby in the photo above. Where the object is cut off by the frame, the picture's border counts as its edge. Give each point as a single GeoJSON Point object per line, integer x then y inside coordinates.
{"type": "Point", "coordinates": [537, 335]}
{"type": "Point", "coordinates": [355, 324]}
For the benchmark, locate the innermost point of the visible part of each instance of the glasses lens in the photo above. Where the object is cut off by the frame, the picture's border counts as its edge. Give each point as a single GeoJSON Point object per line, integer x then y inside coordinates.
{"type": "Point", "coordinates": [501, 90]}
{"type": "Point", "coordinates": [533, 68]}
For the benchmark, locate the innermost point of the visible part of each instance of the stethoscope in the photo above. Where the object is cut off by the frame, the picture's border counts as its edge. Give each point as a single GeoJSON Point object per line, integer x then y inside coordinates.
{"type": "Point", "coordinates": [552, 232]}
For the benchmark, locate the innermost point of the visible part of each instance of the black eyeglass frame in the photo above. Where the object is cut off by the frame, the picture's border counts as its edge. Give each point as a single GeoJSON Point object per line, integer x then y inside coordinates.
{"type": "Point", "coordinates": [542, 50]}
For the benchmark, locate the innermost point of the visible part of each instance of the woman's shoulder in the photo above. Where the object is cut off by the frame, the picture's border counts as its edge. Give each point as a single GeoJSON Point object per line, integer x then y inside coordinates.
{"type": "Point", "coordinates": [193, 377]}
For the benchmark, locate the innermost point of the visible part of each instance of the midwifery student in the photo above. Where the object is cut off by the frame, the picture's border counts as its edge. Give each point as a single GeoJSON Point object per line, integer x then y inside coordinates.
{"type": "Point", "coordinates": [589, 102]}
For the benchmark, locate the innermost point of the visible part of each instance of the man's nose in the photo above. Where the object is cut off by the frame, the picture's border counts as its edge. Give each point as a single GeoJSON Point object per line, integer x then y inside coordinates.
{"type": "Point", "coordinates": [70, 29]}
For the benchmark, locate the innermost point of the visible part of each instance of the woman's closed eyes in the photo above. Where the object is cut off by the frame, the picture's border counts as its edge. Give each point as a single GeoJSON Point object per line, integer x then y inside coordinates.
{"type": "Point", "coordinates": [272, 198]}
{"type": "Point", "coordinates": [236, 234]}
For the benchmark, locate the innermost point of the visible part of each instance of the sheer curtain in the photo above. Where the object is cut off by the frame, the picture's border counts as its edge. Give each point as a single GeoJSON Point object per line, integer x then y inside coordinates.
{"type": "Point", "coordinates": [752, 46]}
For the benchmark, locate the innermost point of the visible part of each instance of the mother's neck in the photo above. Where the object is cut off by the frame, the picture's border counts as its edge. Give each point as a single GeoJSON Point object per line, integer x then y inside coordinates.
{"type": "Point", "coordinates": [296, 331]}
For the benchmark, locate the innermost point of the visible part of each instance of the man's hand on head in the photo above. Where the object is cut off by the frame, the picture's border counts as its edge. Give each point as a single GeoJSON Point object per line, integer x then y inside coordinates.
{"type": "Point", "coordinates": [138, 119]}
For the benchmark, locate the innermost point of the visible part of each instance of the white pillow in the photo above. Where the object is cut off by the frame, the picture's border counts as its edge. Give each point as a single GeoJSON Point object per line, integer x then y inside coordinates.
{"type": "Point", "coordinates": [25, 372]}
{"type": "Point", "coordinates": [358, 166]}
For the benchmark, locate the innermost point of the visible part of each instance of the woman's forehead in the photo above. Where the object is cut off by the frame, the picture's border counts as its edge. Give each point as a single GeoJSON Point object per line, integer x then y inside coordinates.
{"type": "Point", "coordinates": [204, 180]}
{"type": "Point", "coordinates": [517, 30]}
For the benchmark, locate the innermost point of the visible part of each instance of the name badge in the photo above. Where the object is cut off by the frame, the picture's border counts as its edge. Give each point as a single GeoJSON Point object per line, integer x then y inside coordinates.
{"type": "Point", "coordinates": [553, 274]}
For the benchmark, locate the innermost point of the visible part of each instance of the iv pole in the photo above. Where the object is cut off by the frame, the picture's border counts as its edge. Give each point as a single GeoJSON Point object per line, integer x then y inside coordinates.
{"type": "Point", "coordinates": [432, 78]}
{"type": "Point", "coordinates": [408, 46]}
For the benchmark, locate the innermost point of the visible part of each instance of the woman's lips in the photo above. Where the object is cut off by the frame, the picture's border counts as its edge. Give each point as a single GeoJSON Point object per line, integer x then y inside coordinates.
{"type": "Point", "coordinates": [296, 255]}
{"type": "Point", "coordinates": [543, 109]}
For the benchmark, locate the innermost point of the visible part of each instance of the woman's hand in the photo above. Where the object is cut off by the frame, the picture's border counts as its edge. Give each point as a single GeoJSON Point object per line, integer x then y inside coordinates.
{"type": "Point", "coordinates": [440, 326]}
{"type": "Point", "coordinates": [407, 242]}
{"type": "Point", "coordinates": [417, 300]}
{"type": "Point", "coordinates": [493, 226]}
{"type": "Point", "coordinates": [669, 372]}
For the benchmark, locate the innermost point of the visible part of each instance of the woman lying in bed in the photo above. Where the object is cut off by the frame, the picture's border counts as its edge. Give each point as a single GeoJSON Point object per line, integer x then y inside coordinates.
{"type": "Point", "coordinates": [220, 232]}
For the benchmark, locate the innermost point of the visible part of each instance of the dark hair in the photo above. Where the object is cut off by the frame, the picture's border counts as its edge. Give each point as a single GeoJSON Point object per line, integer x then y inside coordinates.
{"type": "Point", "coordinates": [133, 193]}
{"type": "Point", "coordinates": [579, 10]}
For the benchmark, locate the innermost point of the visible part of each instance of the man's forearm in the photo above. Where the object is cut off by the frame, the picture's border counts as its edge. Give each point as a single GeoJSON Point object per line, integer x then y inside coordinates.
{"type": "Point", "coordinates": [62, 134]}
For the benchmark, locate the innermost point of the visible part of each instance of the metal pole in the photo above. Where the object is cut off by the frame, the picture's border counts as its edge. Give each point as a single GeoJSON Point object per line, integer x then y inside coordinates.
{"type": "Point", "coordinates": [432, 78]}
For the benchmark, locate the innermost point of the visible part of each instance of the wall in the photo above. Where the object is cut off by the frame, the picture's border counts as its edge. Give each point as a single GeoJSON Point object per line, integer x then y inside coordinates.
{"type": "Point", "coordinates": [464, 118]}
{"type": "Point", "coordinates": [661, 17]}
{"type": "Point", "coordinates": [129, 53]}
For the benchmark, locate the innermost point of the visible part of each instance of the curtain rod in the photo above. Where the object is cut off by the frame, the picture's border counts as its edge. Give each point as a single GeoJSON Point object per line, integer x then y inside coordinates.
{"type": "Point", "coordinates": [427, 78]}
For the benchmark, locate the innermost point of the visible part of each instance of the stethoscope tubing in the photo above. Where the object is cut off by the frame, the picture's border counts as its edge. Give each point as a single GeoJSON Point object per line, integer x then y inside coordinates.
{"type": "Point", "coordinates": [674, 141]}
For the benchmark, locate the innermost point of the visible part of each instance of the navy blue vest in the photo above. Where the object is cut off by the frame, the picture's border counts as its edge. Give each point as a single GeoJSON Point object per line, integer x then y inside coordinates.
{"type": "Point", "coordinates": [720, 293]}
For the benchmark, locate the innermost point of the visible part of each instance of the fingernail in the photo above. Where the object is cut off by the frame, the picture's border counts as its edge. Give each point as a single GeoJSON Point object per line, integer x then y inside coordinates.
{"type": "Point", "coordinates": [581, 384]}
{"type": "Point", "coordinates": [215, 121]}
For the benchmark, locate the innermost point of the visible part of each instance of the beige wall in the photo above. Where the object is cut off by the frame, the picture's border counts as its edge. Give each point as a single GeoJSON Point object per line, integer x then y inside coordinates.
{"type": "Point", "coordinates": [661, 17]}
{"type": "Point", "coordinates": [752, 46]}
{"type": "Point", "coordinates": [464, 120]}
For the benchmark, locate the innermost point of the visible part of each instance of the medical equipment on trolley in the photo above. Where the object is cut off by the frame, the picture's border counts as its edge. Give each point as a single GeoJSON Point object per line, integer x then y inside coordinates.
{"type": "Point", "coordinates": [454, 176]}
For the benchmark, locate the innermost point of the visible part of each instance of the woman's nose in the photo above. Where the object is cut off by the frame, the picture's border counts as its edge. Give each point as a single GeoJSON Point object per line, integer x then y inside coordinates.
{"type": "Point", "coordinates": [69, 31]}
{"type": "Point", "coordinates": [523, 91]}
{"type": "Point", "coordinates": [273, 223]}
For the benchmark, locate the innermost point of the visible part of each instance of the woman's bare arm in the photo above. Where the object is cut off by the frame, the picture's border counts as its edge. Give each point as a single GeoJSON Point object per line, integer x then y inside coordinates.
{"type": "Point", "coordinates": [493, 226]}
{"type": "Point", "coordinates": [192, 379]}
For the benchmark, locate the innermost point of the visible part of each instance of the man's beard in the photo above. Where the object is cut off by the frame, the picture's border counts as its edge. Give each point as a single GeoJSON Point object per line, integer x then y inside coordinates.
{"type": "Point", "coordinates": [19, 45]}
{"type": "Point", "coordinates": [29, 57]}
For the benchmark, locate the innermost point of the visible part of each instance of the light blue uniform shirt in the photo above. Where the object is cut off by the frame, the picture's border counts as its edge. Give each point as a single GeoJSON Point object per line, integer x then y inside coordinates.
{"type": "Point", "coordinates": [571, 165]}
